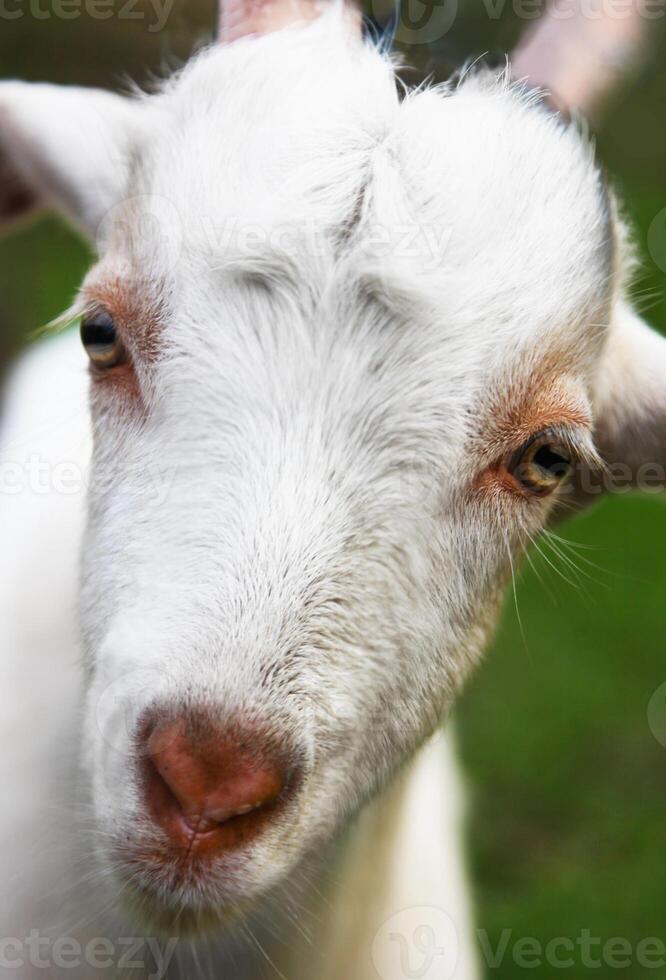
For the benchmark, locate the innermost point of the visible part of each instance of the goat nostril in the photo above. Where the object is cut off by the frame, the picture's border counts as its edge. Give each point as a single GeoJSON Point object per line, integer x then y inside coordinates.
{"type": "Point", "coordinates": [202, 783]}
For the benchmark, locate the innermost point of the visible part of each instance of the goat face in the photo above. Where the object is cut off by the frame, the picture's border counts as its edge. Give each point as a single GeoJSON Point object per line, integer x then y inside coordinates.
{"type": "Point", "coordinates": [344, 349]}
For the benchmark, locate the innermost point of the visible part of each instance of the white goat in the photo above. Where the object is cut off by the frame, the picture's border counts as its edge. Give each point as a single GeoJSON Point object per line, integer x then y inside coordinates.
{"type": "Point", "coordinates": [347, 352]}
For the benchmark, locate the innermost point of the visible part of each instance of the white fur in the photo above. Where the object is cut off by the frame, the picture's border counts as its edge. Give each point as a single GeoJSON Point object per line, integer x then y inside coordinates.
{"type": "Point", "coordinates": [352, 289]}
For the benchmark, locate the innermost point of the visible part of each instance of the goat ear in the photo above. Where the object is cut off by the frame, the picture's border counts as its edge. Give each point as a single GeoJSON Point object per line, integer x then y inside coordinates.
{"type": "Point", "coordinates": [630, 403]}
{"type": "Point", "coordinates": [63, 148]}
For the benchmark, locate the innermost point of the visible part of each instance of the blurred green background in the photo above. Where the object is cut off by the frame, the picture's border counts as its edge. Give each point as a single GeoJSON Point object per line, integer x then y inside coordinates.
{"type": "Point", "coordinates": [567, 781]}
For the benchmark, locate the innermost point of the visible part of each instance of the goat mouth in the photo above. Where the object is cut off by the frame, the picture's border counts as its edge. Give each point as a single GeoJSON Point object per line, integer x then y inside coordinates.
{"type": "Point", "coordinates": [188, 890]}
{"type": "Point", "coordinates": [169, 918]}
{"type": "Point", "coordinates": [194, 840]}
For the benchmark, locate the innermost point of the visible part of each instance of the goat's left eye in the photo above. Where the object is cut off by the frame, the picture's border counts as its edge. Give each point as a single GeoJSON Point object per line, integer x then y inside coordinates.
{"type": "Point", "coordinates": [102, 341]}
{"type": "Point", "coordinates": [542, 464]}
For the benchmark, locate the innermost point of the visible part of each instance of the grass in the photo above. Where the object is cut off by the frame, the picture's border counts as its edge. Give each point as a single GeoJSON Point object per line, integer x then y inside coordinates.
{"type": "Point", "coordinates": [567, 780]}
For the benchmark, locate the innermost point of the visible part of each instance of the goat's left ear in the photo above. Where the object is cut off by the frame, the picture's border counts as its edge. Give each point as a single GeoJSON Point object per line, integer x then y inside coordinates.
{"type": "Point", "coordinates": [630, 402]}
{"type": "Point", "coordinates": [64, 148]}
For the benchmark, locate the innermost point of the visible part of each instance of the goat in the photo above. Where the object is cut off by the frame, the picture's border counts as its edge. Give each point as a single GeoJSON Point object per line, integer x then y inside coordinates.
{"type": "Point", "coordinates": [348, 348]}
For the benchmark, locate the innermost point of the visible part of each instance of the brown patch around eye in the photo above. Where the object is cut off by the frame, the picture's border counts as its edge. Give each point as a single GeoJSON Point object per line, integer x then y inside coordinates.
{"type": "Point", "coordinates": [546, 406]}
{"type": "Point", "coordinates": [533, 436]}
{"type": "Point", "coordinates": [137, 307]}
{"type": "Point", "coordinates": [137, 310]}
{"type": "Point", "coordinates": [123, 381]}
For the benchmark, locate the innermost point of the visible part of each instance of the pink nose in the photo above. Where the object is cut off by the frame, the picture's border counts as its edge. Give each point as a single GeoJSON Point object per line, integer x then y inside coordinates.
{"type": "Point", "coordinates": [209, 790]}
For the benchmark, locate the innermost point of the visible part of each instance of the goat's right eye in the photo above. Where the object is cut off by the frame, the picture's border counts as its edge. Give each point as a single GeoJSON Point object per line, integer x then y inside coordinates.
{"type": "Point", "coordinates": [102, 341]}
